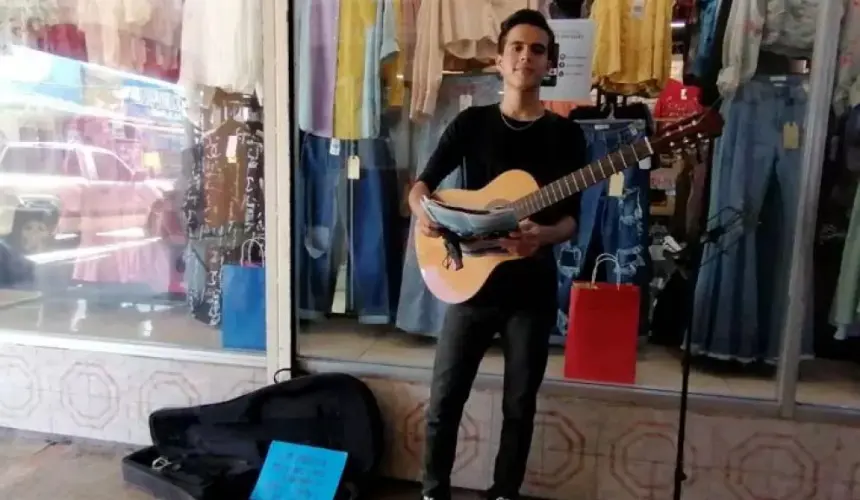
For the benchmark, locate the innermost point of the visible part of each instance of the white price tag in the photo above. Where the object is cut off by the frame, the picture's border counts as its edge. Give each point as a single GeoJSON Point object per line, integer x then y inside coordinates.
{"type": "Point", "coordinates": [637, 8]}
{"type": "Point", "coordinates": [616, 185]}
{"type": "Point", "coordinates": [465, 101]}
{"type": "Point", "coordinates": [353, 168]}
{"type": "Point", "coordinates": [790, 136]}
{"type": "Point", "coordinates": [334, 149]}
{"type": "Point", "coordinates": [232, 144]}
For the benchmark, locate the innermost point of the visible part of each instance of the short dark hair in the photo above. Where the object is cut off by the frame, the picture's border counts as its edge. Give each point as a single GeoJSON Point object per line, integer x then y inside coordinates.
{"type": "Point", "coordinates": [523, 16]}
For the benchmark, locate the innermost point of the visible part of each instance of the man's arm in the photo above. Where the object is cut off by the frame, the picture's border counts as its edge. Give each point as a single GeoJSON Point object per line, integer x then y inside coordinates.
{"type": "Point", "coordinates": [447, 156]}
{"type": "Point", "coordinates": [574, 156]}
{"type": "Point", "coordinates": [561, 231]}
{"type": "Point", "coordinates": [531, 236]}
{"type": "Point", "coordinates": [418, 191]}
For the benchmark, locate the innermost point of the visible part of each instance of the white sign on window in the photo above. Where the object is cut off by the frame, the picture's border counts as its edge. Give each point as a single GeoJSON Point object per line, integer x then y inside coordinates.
{"type": "Point", "coordinates": [569, 77]}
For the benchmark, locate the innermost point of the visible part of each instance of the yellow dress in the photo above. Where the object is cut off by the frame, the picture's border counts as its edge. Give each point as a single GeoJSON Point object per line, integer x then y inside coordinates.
{"type": "Point", "coordinates": [632, 46]}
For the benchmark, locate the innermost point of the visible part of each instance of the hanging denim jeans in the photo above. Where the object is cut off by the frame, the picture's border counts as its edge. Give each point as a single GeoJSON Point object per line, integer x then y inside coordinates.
{"type": "Point", "coordinates": [419, 311]}
{"type": "Point", "coordinates": [741, 294]}
{"type": "Point", "coordinates": [327, 230]}
{"type": "Point", "coordinates": [618, 224]}
{"type": "Point", "coordinates": [708, 10]}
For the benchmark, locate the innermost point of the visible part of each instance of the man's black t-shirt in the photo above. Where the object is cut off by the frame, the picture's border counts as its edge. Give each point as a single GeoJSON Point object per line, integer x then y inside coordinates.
{"type": "Point", "coordinates": [487, 144]}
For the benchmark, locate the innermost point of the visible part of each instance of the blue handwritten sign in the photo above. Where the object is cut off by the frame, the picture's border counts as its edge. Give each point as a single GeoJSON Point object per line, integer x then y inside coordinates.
{"type": "Point", "coordinates": [297, 472]}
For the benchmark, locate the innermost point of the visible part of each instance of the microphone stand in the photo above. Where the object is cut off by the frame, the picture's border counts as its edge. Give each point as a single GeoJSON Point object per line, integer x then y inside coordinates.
{"type": "Point", "coordinates": [685, 259]}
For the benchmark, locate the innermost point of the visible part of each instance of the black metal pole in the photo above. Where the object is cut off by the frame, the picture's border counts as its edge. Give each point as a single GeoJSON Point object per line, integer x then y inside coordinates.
{"type": "Point", "coordinates": [686, 363]}
{"type": "Point", "coordinates": [686, 268]}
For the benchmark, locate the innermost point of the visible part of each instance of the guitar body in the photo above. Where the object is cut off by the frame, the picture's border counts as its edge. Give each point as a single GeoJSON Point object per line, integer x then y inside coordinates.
{"type": "Point", "coordinates": [456, 286]}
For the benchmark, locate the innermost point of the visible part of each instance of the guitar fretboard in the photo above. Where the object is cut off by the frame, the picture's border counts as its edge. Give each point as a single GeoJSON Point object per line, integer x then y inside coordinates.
{"type": "Point", "coordinates": [556, 191]}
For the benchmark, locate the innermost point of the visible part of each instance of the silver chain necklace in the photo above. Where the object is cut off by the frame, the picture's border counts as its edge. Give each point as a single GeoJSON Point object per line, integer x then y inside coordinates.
{"type": "Point", "coordinates": [515, 128]}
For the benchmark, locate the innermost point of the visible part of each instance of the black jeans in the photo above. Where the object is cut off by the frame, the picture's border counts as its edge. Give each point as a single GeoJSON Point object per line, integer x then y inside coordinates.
{"type": "Point", "coordinates": [467, 333]}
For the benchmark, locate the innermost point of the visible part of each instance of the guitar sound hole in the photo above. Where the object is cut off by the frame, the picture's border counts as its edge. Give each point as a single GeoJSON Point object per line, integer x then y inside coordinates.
{"type": "Point", "coordinates": [492, 205]}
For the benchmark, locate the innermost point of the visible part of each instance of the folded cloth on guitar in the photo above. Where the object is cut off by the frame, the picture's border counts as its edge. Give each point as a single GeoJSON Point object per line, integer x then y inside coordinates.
{"type": "Point", "coordinates": [464, 230]}
{"type": "Point", "coordinates": [470, 224]}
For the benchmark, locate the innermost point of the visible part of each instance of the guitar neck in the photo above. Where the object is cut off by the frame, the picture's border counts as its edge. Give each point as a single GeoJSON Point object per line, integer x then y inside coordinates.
{"type": "Point", "coordinates": [580, 180]}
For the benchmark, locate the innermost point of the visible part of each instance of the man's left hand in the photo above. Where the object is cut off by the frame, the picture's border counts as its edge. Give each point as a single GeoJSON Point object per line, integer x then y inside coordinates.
{"type": "Point", "coordinates": [525, 241]}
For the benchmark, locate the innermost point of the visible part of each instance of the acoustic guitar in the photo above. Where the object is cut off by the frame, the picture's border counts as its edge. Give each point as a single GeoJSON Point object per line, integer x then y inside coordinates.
{"type": "Point", "coordinates": [518, 190]}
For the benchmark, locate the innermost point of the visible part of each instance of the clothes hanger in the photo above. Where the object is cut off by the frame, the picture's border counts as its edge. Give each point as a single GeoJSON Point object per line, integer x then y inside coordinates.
{"type": "Point", "coordinates": [610, 105]}
{"type": "Point", "coordinates": [605, 104]}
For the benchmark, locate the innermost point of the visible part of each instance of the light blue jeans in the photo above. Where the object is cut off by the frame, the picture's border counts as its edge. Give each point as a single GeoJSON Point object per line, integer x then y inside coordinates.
{"type": "Point", "coordinates": [741, 293]}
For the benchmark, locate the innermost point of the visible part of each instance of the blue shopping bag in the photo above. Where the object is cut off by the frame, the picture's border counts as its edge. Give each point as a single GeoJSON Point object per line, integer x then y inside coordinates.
{"type": "Point", "coordinates": [298, 472]}
{"type": "Point", "coordinates": [243, 302]}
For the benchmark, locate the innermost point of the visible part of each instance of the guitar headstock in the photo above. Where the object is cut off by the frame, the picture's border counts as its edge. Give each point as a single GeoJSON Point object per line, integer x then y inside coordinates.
{"type": "Point", "coordinates": [686, 135]}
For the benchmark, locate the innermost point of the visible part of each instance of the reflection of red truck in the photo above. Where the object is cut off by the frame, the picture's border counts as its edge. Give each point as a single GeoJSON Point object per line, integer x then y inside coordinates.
{"type": "Point", "coordinates": [48, 188]}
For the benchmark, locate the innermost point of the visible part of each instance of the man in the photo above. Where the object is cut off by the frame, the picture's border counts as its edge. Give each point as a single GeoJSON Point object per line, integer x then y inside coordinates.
{"type": "Point", "coordinates": [519, 301]}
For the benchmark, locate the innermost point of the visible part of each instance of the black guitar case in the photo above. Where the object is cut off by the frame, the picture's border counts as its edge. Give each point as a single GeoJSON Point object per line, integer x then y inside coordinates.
{"type": "Point", "coordinates": [216, 451]}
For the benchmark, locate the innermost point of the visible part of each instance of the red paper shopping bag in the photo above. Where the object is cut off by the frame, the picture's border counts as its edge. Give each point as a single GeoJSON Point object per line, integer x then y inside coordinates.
{"type": "Point", "coordinates": [602, 333]}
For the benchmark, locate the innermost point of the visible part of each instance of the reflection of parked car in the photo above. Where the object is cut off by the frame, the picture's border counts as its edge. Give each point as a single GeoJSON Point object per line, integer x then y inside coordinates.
{"type": "Point", "coordinates": [48, 188]}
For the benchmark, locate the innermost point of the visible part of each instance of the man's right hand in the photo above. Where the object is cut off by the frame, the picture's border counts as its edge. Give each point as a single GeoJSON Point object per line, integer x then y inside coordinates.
{"type": "Point", "coordinates": [428, 228]}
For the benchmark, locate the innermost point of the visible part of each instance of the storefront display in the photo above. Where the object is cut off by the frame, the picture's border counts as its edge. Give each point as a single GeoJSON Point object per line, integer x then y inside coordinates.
{"type": "Point", "coordinates": [738, 307]}
{"type": "Point", "coordinates": [840, 223]}
{"type": "Point", "coordinates": [156, 162]}
{"type": "Point", "coordinates": [133, 214]}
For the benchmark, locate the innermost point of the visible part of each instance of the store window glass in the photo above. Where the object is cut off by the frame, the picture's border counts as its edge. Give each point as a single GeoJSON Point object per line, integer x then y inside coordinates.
{"type": "Point", "coordinates": [378, 82]}
{"type": "Point", "coordinates": [830, 367]}
{"type": "Point", "coordinates": [131, 171]}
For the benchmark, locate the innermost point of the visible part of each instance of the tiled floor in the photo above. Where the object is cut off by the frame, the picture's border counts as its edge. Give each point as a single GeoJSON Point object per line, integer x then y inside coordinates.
{"type": "Point", "coordinates": [34, 469]}
{"type": "Point", "coordinates": [37, 469]}
{"type": "Point", "coordinates": [822, 382]}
